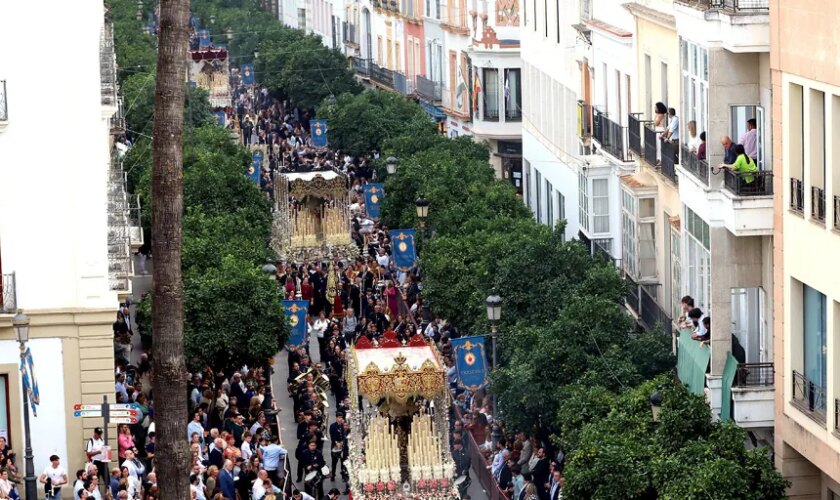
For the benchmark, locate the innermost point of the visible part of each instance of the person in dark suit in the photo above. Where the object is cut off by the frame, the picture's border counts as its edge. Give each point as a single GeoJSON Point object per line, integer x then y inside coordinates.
{"type": "Point", "coordinates": [506, 476]}
{"type": "Point", "coordinates": [313, 460]}
{"type": "Point", "coordinates": [556, 486]}
{"type": "Point", "coordinates": [540, 473]}
{"type": "Point", "coordinates": [338, 436]}
{"type": "Point", "coordinates": [216, 456]}
{"type": "Point", "coordinates": [226, 482]}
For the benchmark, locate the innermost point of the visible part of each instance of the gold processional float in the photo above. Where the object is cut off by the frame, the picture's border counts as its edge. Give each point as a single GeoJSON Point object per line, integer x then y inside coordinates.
{"type": "Point", "coordinates": [312, 219]}
{"type": "Point", "coordinates": [399, 419]}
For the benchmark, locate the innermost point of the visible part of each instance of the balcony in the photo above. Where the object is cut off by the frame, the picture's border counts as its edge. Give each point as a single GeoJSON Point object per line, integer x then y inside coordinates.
{"type": "Point", "coordinates": [600, 251]}
{"type": "Point", "coordinates": [611, 136]}
{"type": "Point", "coordinates": [382, 76]}
{"type": "Point", "coordinates": [8, 294]}
{"type": "Point", "coordinates": [837, 213]}
{"type": "Point", "coordinates": [668, 161]}
{"type": "Point", "coordinates": [403, 85]}
{"type": "Point", "coordinates": [118, 120]}
{"type": "Point", "coordinates": [739, 26]}
{"type": "Point", "coordinates": [361, 66]}
{"type": "Point", "coordinates": [809, 398]}
{"type": "Point", "coordinates": [695, 166]}
{"type": "Point", "coordinates": [107, 64]}
{"type": "Point", "coordinates": [750, 183]}
{"type": "Point", "coordinates": [818, 204]}
{"type": "Point", "coordinates": [634, 134]}
{"type": "Point", "coordinates": [651, 147]}
{"type": "Point", "coordinates": [797, 196]}
{"type": "Point", "coordinates": [741, 5]}
{"type": "Point", "coordinates": [429, 90]}
{"type": "Point", "coordinates": [642, 304]}
{"type": "Point", "coordinates": [753, 395]}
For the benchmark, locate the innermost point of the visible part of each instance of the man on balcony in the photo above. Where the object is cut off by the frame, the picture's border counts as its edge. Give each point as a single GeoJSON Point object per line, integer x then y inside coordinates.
{"type": "Point", "coordinates": [749, 139]}
{"type": "Point", "coordinates": [673, 132]}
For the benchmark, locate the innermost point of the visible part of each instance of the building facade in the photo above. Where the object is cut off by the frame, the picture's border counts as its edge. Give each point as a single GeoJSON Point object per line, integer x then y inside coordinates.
{"type": "Point", "coordinates": [634, 186]}
{"type": "Point", "coordinates": [806, 104]}
{"type": "Point", "coordinates": [64, 224]}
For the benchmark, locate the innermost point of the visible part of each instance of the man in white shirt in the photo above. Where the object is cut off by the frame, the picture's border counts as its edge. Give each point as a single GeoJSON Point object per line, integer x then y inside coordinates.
{"type": "Point", "coordinates": [93, 450]}
{"type": "Point", "coordinates": [258, 490]}
{"type": "Point", "coordinates": [56, 476]}
{"type": "Point", "coordinates": [750, 139]}
{"type": "Point", "coordinates": [134, 466]}
{"type": "Point", "coordinates": [382, 258]}
{"type": "Point", "coordinates": [79, 485]}
{"type": "Point", "coordinates": [299, 495]}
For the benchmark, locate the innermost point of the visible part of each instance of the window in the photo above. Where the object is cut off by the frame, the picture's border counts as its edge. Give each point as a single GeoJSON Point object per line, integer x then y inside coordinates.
{"type": "Point", "coordinates": [583, 202]}
{"type": "Point", "coordinates": [600, 206]}
{"type": "Point", "coordinates": [491, 94]}
{"type": "Point", "coordinates": [561, 206]}
{"type": "Point", "coordinates": [549, 203]}
{"type": "Point", "coordinates": [535, 16]}
{"type": "Point", "coordinates": [638, 235]}
{"type": "Point", "coordinates": [698, 260]}
{"type": "Point", "coordinates": [583, 208]}
{"type": "Point", "coordinates": [302, 19]}
{"type": "Point", "coordinates": [663, 83]}
{"type": "Point", "coordinates": [694, 63]}
{"type": "Point", "coordinates": [545, 16]}
{"type": "Point", "coordinates": [648, 111]}
{"type": "Point", "coordinates": [526, 183]}
{"type": "Point", "coordinates": [814, 339]}
{"type": "Point", "coordinates": [379, 46]}
{"type": "Point", "coordinates": [513, 95]}
{"type": "Point", "coordinates": [557, 19]}
{"type": "Point", "coordinates": [676, 284]}
{"type": "Point", "coordinates": [537, 186]}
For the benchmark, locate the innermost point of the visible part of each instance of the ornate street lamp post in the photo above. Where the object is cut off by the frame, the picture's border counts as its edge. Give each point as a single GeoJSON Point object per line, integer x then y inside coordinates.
{"type": "Point", "coordinates": [21, 325]}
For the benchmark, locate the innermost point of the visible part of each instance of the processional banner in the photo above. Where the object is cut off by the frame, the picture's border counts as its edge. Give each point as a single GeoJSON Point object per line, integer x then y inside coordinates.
{"type": "Point", "coordinates": [470, 362]}
{"type": "Point", "coordinates": [247, 71]}
{"type": "Point", "coordinates": [403, 249]}
{"type": "Point", "coordinates": [374, 194]}
{"type": "Point", "coordinates": [296, 314]}
{"type": "Point", "coordinates": [318, 133]}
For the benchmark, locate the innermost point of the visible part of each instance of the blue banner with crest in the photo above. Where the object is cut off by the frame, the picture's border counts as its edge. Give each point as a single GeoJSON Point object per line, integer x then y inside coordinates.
{"type": "Point", "coordinates": [318, 133]}
{"type": "Point", "coordinates": [204, 39]}
{"type": "Point", "coordinates": [296, 314]}
{"type": "Point", "coordinates": [247, 71]}
{"type": "Point", "coordinates": [254, 171]}
{"type": "Point", "coordinates": [30, 385]}
{"type": "Point", "coordinates": [220, 118]}
{"type": "Point", "coordinates": [471, 362]}
{"type": "Point", "coordinates": [374, 194]}
{"type": "Point", "coordinates": [403, 249]}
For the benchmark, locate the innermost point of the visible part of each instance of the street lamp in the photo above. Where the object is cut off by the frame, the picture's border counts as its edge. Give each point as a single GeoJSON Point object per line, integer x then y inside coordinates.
{"type": "Point", "coordinates": [21, 324]}
{"type": "Point", "coordinates": [494, 314]}
{"type": "Point", "coordinates": [212, 18]}
{"type": "Point", "coordinates": [656, 404]}
{"type": "Point", "coordinates": [229, 34]}
{"type": "Point", "coordinates": [422, 208]}
{"type": "Point", "coordinates": [256, 54]}
{"type": "Point", "coordinates": [391, 165]}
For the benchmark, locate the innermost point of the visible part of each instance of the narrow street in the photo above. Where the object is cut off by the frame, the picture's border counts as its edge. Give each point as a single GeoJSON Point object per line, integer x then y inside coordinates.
{"type": "Point", "coordinates": [288, 424]}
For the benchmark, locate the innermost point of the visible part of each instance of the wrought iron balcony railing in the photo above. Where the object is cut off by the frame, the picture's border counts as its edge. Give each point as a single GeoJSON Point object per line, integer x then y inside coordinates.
{"type": "Point", "coordinates": [668, 160]}
{"type": "Point", "coordinates": [651, 146]}
{"type": "Point", "coordinates": [697, 167]}
{"type": "Point", "coordinates": [8, 294]}
{"type": "Point", "coordinates": [428, 89]}
{"type": "Point", "coordinates": [809, 397]}
{"type": "Point", "coordinates": [754, 375]}
{"type": "Point", "coordinates": [361, 66]}
{"type": "Point", "coordinates": [634, 133]}
{"type": "Point", "coordinates": [741, 5]}
{"type": "Point", "coordinates": [382, 75]}
{"type": "Point", "coordinates": [797, 196]}
{"type": "Point", "coordinates": [837, 213]}
{"type": "Point", "coordinates": [748, 183]}
{"type": "Point", "coordinates": [817, 203]}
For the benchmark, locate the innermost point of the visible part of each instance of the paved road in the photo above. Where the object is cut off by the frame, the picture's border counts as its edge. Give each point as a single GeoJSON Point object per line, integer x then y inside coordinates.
{"type": "Point", "coordinates": [288, 426]}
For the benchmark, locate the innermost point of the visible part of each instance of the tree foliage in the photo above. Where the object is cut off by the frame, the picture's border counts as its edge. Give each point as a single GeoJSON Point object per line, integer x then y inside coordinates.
{"type": "Point", "coordinates": [361, 123]}
{"type": "Point", "coordinates": [625, 454]}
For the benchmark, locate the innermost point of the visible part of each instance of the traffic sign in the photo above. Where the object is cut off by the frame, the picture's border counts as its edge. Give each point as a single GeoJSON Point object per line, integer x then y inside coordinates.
{"type": "Point", "coordinates": [124, 420]}
{"type": "Point", "coordinates": [123, 413]}
{"type": "Point", "coordinates": [122, 406]}
{"type": "Point", "coordinates": [87, 413]}
{"type": "Point", "coordinates": [88, 407]}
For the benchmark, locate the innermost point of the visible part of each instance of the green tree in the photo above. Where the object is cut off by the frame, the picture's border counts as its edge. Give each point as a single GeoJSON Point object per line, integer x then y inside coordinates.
{"type": "Point", "coordinates": [360, 123]}
{"type": "Point", "coordinates": [233, 316]}
{"type": "Point", "coordinates": [139, 97]}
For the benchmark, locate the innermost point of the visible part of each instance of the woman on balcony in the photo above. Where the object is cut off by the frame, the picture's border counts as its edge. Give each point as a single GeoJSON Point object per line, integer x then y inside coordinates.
{"type": "Point", "coordinates": [659, 116]}
{"type": "Point", "coordinates": [743, 166]}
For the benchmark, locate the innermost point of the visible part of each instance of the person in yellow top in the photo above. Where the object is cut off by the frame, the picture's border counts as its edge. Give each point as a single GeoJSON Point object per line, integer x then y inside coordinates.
{"type": "Point", "coordinates": [743, 165]}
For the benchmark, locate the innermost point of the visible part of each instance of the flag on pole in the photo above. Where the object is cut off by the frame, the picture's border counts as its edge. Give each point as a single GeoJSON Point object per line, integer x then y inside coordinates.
{"type": "Point", "coordinates": [30, 385]}
{"type": "Point", "coordinates": [470, 362]}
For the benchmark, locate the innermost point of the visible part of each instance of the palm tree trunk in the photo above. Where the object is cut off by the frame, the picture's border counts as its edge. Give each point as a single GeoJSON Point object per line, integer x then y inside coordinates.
{"type": "Point", "coordinates": [169, 369]}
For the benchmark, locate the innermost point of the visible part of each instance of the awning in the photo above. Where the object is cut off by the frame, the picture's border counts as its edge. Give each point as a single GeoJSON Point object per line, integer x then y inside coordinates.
{"type": "Point", "coordinates": [432, 110]}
